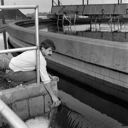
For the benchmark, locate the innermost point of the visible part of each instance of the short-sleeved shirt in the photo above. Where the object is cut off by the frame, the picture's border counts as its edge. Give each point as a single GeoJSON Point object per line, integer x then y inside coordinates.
{"type": "Point", "coordinates": [26, 61]}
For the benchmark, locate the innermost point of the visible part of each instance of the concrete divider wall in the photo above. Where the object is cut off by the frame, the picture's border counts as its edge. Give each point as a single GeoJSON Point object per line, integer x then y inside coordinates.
{"type": "Point", "coordinates": [109, 54]}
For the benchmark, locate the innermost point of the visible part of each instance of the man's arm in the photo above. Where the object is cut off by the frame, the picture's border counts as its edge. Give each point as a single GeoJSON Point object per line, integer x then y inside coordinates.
{"type": "Point", "coordinates": [56, 101]}
{"type": "Point", "coordinates": [47, 81]}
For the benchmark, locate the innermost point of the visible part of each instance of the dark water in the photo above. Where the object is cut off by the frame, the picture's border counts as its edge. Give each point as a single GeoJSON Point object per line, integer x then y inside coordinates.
{"type": "Point", "coordinates": [106, 104]}
{"type": "Point", "coordinates": [66, 118]}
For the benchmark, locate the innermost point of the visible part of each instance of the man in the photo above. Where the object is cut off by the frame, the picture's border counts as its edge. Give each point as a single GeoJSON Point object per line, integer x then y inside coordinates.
{"type": "Point", "coordinates": [23, 67]}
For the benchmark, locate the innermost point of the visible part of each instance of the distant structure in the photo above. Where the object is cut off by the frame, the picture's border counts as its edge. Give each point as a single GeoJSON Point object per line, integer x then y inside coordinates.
{"type": "Point", "coordinates": [13, 14]}
{"type": "Point", "coordinates": [7, 16]}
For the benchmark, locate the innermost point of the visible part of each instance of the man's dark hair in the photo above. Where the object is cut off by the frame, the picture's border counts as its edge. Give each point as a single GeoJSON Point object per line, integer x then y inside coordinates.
{"type": "Point", "coordinates": [47, 44]}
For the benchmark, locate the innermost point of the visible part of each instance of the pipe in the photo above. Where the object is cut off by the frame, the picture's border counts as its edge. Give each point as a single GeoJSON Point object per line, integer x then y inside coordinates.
{"type": "Point", "coordinates": [10, 116]}
{"type": "Point", "coordinates": [37, 45]}
{"type": "Point", "coordinates": [3, 21]}
{"type": "Point", "coordinates": [17, 49]}
{"type": "Point", "coordinates": [18, 7]}
{"type": "Point", "coordinates": [82, 2]}
{"type": "Point", "coordinates": [87, 2]}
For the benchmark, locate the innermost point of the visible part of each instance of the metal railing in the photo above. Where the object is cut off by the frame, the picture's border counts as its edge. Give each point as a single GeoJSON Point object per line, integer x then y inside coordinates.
{"type": "Point", "coordinates": [12, 118]}
{"type": "Point", "coordinates": [36, 34]}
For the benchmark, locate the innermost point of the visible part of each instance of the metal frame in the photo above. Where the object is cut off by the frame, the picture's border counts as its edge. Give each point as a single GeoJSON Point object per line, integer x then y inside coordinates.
{"type": "Point", "coordinates": [83, 2]}
{"type": "Point", "coordinates": [36, 34]}
{"type": "Point", "coordinates": [12, 118]}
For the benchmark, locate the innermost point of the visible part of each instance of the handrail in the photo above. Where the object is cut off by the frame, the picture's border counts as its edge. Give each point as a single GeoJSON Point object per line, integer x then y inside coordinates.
{"type": "Point", "coordinates": [37, 44]}
{"type": "Point", "coordinates": [17, 50]}
{"type": "Point", "coordinates": [11, 117]}
{"type": "Point", "coordinates": [19, 7]}
{"type": "Point", "coordinates": [36, 33]}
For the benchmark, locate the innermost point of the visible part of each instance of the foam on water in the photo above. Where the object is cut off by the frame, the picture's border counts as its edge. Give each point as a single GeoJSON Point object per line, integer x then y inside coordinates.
{"type": "Point", "coordinates": [38, 122]}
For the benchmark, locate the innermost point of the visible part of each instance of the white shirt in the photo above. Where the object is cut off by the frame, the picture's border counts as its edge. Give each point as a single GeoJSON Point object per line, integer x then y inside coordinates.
{"type": "Point", "coordinates": [26, 61]}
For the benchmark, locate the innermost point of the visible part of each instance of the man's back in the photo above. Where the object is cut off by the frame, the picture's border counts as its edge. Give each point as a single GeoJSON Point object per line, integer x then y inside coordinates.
{"type": "Point", "coordinates": [23, 62]}
{"type": "Point", "coordinates": [26, 61]}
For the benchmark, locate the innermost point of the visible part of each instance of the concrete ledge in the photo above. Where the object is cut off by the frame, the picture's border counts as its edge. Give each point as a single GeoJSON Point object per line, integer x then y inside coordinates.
{"type": "Point", "coordinates": [91, 75]}
{"type": "Point", "coordinates": [110, 54]}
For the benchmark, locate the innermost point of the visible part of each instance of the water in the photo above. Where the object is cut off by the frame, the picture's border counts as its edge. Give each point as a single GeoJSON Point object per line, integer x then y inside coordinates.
{"type": "Point", "coordinates": [103, 103]}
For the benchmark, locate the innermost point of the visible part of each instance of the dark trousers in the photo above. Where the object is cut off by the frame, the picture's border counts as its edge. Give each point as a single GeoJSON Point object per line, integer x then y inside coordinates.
{"type": "Point", "coordinates": [18, 77]}
{"type": "Point", "coordinates": [22, 76]}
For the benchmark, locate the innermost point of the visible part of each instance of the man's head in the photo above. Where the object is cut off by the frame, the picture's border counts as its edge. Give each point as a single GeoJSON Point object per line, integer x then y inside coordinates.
{"type": "Point", "coordinates": [47, 47]}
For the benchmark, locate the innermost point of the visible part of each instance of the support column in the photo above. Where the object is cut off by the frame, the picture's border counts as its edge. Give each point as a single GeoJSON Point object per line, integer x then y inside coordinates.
{"type": "Point", "coordinates": [3, 22]}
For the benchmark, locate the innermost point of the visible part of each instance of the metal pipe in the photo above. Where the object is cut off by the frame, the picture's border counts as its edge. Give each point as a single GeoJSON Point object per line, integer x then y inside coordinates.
{"type": "Point", "coordinates": [52, 3]}
{"type": "Point", "coordinates": [3, 21]}
{"type": "Point", "coordinates": [82, 2]}
{"type": "Point", "coordinates": [37, 45]}
{"type": "Point", "coordinates": [17, 50]}
{"type": "Point", "coordinates": [18, 7]}
{"type": "Point", "coordinates": [58, 3]}
{"type": "Point", "coordinates": [87, 2]}
{"type": "Point", "coordinates": [11, 117]}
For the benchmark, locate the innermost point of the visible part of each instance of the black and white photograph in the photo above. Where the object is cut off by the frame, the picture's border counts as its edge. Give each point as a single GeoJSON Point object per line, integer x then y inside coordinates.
{"type": "Point", "coordinates": [63, 63]}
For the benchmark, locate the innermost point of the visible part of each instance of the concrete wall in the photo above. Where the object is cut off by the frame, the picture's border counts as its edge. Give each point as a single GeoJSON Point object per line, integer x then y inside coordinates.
{"type": "Point", "coordinates": [109, 54]}
{"type": "Point", "coordinates": [26, 102]}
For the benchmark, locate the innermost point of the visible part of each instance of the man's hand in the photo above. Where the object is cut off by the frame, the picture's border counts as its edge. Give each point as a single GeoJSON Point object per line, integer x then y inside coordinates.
{"type": "Point", "coordinates": [54, 78]}
{"type": "Point", "coordinates": [56, 102]}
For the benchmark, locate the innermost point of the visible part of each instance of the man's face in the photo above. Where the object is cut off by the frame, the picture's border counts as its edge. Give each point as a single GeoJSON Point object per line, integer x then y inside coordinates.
{"type": "Point", "coordinates": [47, 52]}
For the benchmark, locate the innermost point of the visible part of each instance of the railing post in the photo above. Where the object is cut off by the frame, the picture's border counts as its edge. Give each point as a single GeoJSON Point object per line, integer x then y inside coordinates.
{"type": "Point", "coordinates": [37, 44]}
{"type": "Point", "coordinates": [14, 120]}
{"type": "Point", "coordinates": [87, 2]}
{"type": "Point", "coordinates": [52, 3]}
{"type": "Point", "coordinates": [82, 2]}
{"type": "Point", "coordinates": [3, 22]}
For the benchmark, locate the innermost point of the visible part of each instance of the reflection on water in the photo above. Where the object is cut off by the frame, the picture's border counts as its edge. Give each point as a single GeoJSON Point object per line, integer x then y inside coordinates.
{"type": "Point", "coordinates": [111, 32]}
{"type": "Point", "coordinates": [87, 27]}
{"type": "Point", "coordinates": [97, 27]}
